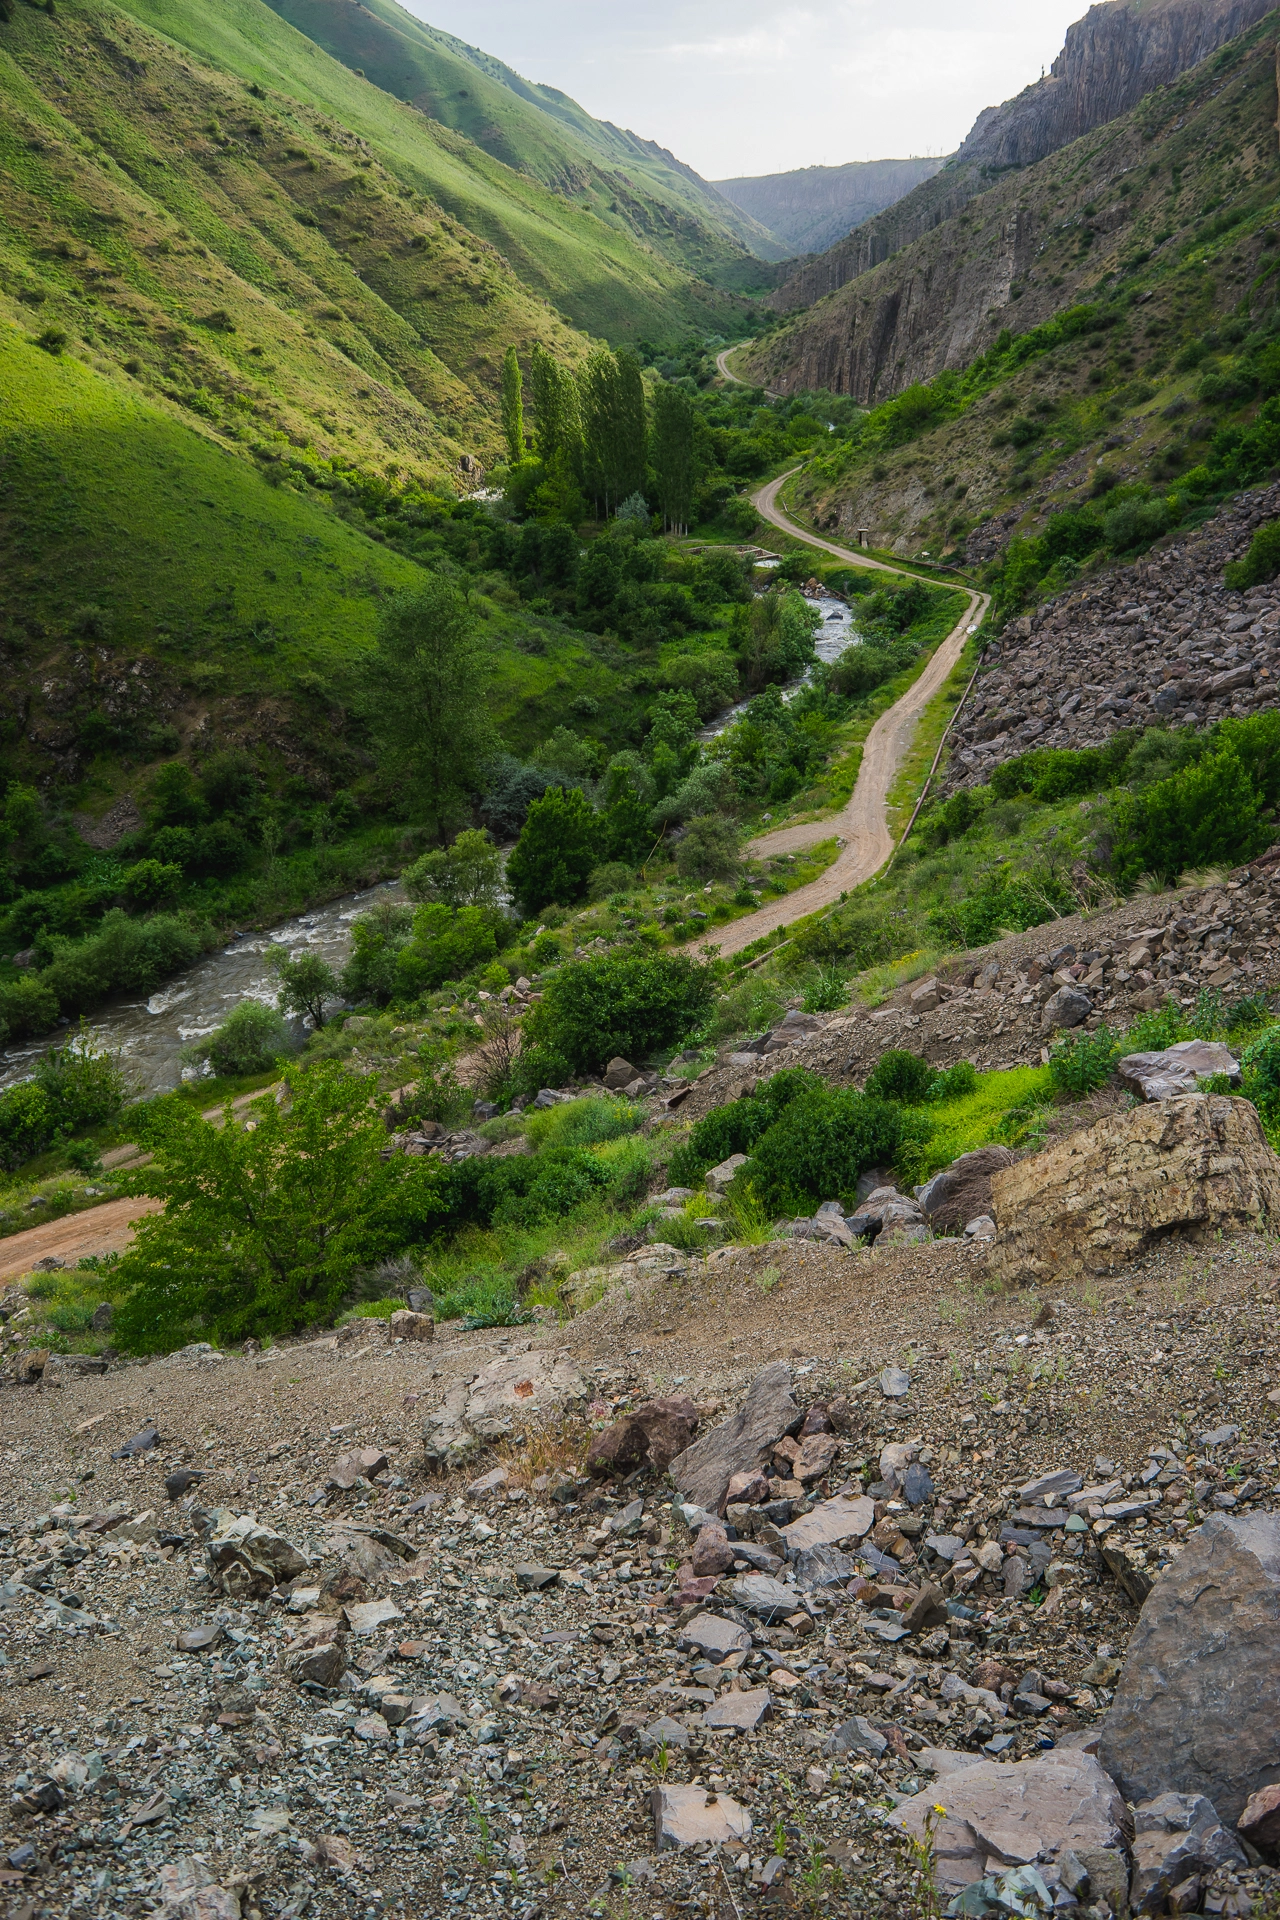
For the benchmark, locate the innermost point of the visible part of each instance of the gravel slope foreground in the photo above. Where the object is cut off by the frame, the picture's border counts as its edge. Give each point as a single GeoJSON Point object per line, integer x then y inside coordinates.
{"type": "Point", "coordinates": [524, 1786]}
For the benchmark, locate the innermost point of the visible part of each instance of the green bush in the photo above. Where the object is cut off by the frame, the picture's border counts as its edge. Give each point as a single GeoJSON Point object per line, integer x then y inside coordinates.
{"type": "Point", "coordinates": [74, 1087]}
{"type": "Point", "coordinates": [1083, 1061]}
{"type": "Point", "coordinates": [27, 1124]}
{"type": "Point", "coordinates": [125, 955]}
{"type": "Point", "coordinates": [264, 1228]}
{"type": "Point", "coordinates": [902, 1076]}
{"type": "Point", "coordinates": [1260, 1074]}
{"type": "Point", "coordinates": [581, 1123]}
{"type": "Point", "coordinates": [736, 1127]}
{"type": "Point", "coordinates": [954, 1083]}
{"type": "Point", "coordinates": [149, 883]}
{"type": "Point", "coordinates": [1262, 562]}
{"type": "Point", "coordinates": [624, 1002]}
{"type": "Point", "coordinates": [558, 848]}
{"type": "Point", "coordinates": [448, 943]}
{"type": "Point", "coordinates": [1208, 814]}
{"type": "Point", "coordinates": [708, 849]}
{"type": "Point", "coordinates": [378, 937]}
{"type": "Point", "coordinates": [819, 1147]}
{"type": "Point", "coordinates": [249, 1040]}
{"type": "Point", "coordinates": [28, 1006]}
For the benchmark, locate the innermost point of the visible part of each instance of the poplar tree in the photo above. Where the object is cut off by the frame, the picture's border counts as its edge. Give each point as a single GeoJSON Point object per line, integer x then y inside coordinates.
{"type": "Point", "coordinates": [557, 425]}
{"type": "Point", "coordinates": [513, 406]}
{"type": "Point", "coordinates": [611, 392]}
{"type": "Point", "coordinates": [671, 453]}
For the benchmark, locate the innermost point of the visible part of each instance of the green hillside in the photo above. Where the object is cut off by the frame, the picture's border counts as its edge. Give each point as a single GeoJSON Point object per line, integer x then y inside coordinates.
{"type": "Point", "coordinates": [596, 275]}
{"type": "Point", "coordinates": [632, 185]}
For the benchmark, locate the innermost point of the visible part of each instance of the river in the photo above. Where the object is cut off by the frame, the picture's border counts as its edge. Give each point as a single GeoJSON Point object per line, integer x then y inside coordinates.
{"type": "Point", "coordinates": [834, 637]}
{"type": "Point", "coordinates": [149, 1034]}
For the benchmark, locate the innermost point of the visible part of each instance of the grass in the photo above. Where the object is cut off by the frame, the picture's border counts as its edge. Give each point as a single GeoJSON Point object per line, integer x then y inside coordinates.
{"type": "Point", "coordinates": [958, 1126]}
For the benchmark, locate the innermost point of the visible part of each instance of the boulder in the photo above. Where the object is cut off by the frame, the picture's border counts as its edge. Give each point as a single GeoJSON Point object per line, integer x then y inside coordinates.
{"type": "Point", "coordinates": [1176, 1837]}
{"type": "Point", "coordinates": [318, 1657]}
{"type": "Point", "coordinates": [656, 1432]}
{"type": "Point", "coordinates": [740, 1711]}
{"type": "Point", "coordinates": [1260, 1821]}
{"type": "Point", "coordinates": [246, 1560]}
{"type": "Point", "coordinates": [618, 1074]}
{"type": "Point", "coordinates": [761, 1594]}
{"type": "Point", "coordinates": [831, 1523]}
{"type": "Point", "coordinates": [692, 1817]}
{"type": "Point", "coordinates": [1098, 1198]}
{"type": "Point", "coordinates": [366, 1463]}
{"type": "Point", "coordinates": [711, 1554]}
{"type": "Point", "coordinates": [962, 1191]}
{"type": "Point", "coordinates": [719, 1177]}
{"type": "Point", "coordinates": [740, 1444]}
{"type": "Point", "coordinates": [1197, 1704]}
{"type": "Point", "coordinates": [1177, 1069]}
{"type": "Point", "coordinates": [1011, 1814]}
{"type": "Point", "coordinates": [1068, 1007]}
{"type": "Point", "coordinates": [407, 1325]}
{"type": "Point", "coordinates": [856, 1736]}
{"type": "Point", "coordinates": [508, 1395]}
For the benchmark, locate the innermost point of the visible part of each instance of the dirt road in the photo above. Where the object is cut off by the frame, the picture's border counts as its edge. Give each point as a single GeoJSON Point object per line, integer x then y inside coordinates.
{"type": "Point", "coordinates": [105, 1229]}
{"type": "Point", "coordinates": [723, 368]}
{"type": "Point", "coordinates": [862, 823]}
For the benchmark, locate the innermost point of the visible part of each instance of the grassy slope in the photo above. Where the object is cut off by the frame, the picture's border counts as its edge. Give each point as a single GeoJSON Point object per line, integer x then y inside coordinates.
{"type": "Point", "coordinates": [1169, 208]}
{"type": "Point", "coordinates": [541, 132]}
{"type": "Point", "coordinates": [595, 275]}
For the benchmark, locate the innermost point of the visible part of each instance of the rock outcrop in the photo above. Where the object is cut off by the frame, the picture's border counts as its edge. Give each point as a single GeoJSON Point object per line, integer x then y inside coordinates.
{"type": "Point", "coordinates": [1093, 1201]}
{"type": "Point", "coordinates": [741, 1443]}
{"type": "Point", "coordinates": [812, 208]}
{"type": "Point", "coordinates": [1197, 1705]}
{"type": "Point", "coordinates": [1110, 60]}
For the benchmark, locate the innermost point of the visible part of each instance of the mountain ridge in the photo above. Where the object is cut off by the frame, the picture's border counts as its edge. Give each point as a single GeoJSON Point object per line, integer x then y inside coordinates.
{"type": "Point", "coordinates": [809, 209]}
{"type": "Point", "coordinates": [1119, 52]}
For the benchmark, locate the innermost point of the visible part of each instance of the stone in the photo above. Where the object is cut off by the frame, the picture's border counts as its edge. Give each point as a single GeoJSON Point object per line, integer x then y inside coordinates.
{"type": "Point", "coordinates": [761, 1594]}
{"type": "Point", "coordinates": [928, 1609]}
{"type": "Point", "coordinates": [103, 1315]}
{"type": "Point", "coordinates": [319, 1657]}
{"type": "Point", "coordinates": [1014, 1813]}
{"type": "Point", "coordinates": [817, 1451]}
{"type": "Point", "coordinates": [830, 1523]}
{"type": "Point", "coordinates": [421, 1300]}
{"type": "Point", "coordinates": [748, 1489]}
{"type": "Point", "coordinates": [1128, 1563]}
{"type": "Point", "coordinates": [368, 1615]}
{"type": "Point", "coordinates": [1197, 1704]}
{"type": "Point", "coordinates": [719, 1177]}
{"type": "Point", "coordinates": [1260, 1821]}
{"type": "Point", "coordinates": [181, 1481]}
{"type": "Point", "coordinates": [405, 1324]}
{"type": "Point", "coordinates": [141, 1442]}
{"type": "Point", "coordinates": [740, 1444]}
{"type": "Point", "coordinates": [364, 1464]}
{"type": "Point", "coordinates": [741, 1710]}
{"type": "Point", "coordinates": [925, 997]}
{"type": "Point", "coordinates": [492, 1482]}
{"type": "Point", "coordinates": [944, 1761]}
{"type": "Point", "coordinates": [506, 1396]}
{"type": "Point", "coordinates": [1176, 1835]}
{"type": "Point", "coordinates": [665, 1732]}
{"type": "Point", "coordinates": [963, 1190]}
{"type": "Point", "coordinates": [856, 1736]}
{"type": "Point", "coordinates": [340, 1588]}
{"type": "Point", "coordinates": [655, 1433]}
{"type": "Point", "coordinates": [188, 1891]}
{"type": "Point", "coordinates": [372, 1728]}
{"type": "Point", "coordinates": [1098, 1198]}
{"type": "Point", "coordinates": [692, 1817]}
{"type": "Point", "coordinates": [247, 1560]}
{"type": "Point", "coordinates": [820, 1567]}
{"type": "Point", "coordinates": [1068, 1007]}
{"type": "Point", "coordinates": [708, 1633]}
{"type": "Point", "coordinates": [1177, 1069]}
{"type": "Point", "coordinates": [618, 1074]}
{"type": "Point", "coordinates": [531, 1578]}
{"type": "Point", "coordinates": [895, 1382]}
{"type": "Point", "coordinates": [197, 1639]}
{"type": "Point", "coordinates": [980, 1230]}
{"type": "Point", "coordinates": [712, 1553]}
{"type": "Point", "coordinates": [917, 1485]}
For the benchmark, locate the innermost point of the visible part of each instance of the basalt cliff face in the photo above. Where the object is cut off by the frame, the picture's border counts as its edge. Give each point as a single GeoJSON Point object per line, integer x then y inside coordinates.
{"type": "Point", "coordinates": [1045, 236]}
{"type": "Point", "coordinates": [1118, 53]}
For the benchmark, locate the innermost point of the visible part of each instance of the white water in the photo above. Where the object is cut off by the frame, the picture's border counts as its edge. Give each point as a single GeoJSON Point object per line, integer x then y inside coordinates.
{"type": "Point", "coordinates": [834, 637]}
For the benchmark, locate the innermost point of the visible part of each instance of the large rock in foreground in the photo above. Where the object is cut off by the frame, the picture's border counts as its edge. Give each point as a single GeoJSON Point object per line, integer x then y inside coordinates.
{"type": "Point", "coordinates": [1197, 1706]}
{"type": "Point", "coordinates": [741, 1443]}
{"type": "Point", "coordinates": [1097, 1198]}
{"type": "Point", "coordinates": [1018, 1813]}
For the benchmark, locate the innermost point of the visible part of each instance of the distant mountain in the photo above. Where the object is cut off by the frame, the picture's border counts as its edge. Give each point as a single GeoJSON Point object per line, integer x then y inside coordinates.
{"type": "Point", "coordinates": [1115, 55]}
{"type": "Point", "coordinates": [630, 184]}
{"type": "Point", "coordinates": [809, 210]}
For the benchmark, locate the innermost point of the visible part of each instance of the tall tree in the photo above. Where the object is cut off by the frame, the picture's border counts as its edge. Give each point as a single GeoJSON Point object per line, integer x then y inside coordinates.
{"type": "Point", "coordinates": [613, 427]}
{"type": "Point", "coordinates": [555, 403]}
{"type": "Point", "coordinates": [425, 692]}
{"type": "Point", "coordinates": [513, 406]}
{"type": "Point", "coordinates": [671, 452]}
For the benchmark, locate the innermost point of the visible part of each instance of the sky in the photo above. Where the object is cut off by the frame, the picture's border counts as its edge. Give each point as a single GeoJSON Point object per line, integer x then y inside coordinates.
{"type": "Point", "coordinates": [762, 86]}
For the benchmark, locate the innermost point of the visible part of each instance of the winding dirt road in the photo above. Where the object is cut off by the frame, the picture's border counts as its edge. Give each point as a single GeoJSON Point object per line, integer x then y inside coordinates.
{"type": "Point", "coordinates": [723, 368]}
{"type": "Point", "coordinates": [862, 823]}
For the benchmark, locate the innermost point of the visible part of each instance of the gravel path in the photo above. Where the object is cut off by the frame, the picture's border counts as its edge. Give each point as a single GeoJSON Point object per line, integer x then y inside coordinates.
{"type": "Point", "coordinates": [105, 1229]}
{"type": "Point", "coordinates": [862, 824]}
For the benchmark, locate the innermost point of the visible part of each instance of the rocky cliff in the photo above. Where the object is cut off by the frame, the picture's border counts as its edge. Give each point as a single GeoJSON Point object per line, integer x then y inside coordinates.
{"type": "Point", "coordinates": [813, 207]}
{"type": "Point", "coordinates": [1044, 236]}
{"type": "Point", "coordinates": [1117, 54]}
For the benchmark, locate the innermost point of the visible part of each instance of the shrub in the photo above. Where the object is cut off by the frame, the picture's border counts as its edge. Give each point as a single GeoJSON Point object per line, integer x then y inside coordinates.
{"type": "Point", "coordinates": [623, 1002]}
{"type": "Point", "coordinates": [954, 1083]}
{"type": "Point", "coordinates": [1262, 562]}
{"type": "Point", "coordinates": [73, 1087]}
{"type": "Point", "coordinates": [861, 670]}
{"type": "Point", "coordinates": [708, 849]}
{"type": "Point", "coordinates": [447, 944]}
{"type": "Point", "coordinates": [26, 1124]}
{"type": "Point", "coordinates": [955, 817]}
{"type": "Point", "coordinates": [1205, 815]}
{"type": "Point", "coordinates": [263, 1229]}
{"type": "Point", "coordinates": [249, 1040]}
{"type": "Point", "coordinates": [819, 1147]}
{"type": "Point", "coordinates": [613, 877]}
{"type": "Point", "coordinates": [125, 955]}
{"type": "Point", "coordinates": [27, 1006]}
{"type": "Point", "coordinates": [467, 874]}
{"type": "Point", "coordinates": [735, 1127]}
{"type": "Point", "coordinates": [582, 1123]}
{"type": "Point", "coordinates": [307, 984]}
{"type": "Point", "coordinates": [1260, 1074]}
{"type": "Point", "coordinates": [899, 1075]}
{"type": "Point", "coordinates": [1083, 1061]}
{"type": "Point", "coordinates": [149, 883]}
{"type": "Point", "coordinates": [557, 849]}
{"type": "Point", "coordinates": [377, 939]}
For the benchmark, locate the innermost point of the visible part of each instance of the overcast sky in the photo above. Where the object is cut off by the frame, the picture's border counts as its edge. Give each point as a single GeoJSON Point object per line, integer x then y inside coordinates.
{"type": "Point", "coordinates": [761, 86]}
